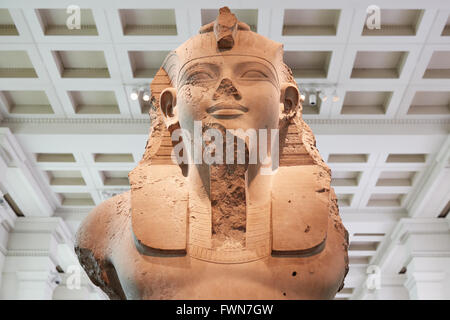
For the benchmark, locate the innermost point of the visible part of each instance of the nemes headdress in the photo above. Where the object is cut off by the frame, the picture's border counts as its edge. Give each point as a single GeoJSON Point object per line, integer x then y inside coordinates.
{"type": "Point", "coordinates": [225, 36]}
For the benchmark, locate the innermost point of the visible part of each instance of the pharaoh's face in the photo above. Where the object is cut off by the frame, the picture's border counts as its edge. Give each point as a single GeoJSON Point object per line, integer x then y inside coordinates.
{"type": "Point", "coordinates": [237, 92]}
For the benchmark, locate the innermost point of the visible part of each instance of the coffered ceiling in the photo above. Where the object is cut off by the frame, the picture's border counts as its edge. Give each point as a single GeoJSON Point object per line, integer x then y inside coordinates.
{"type": "Point", "coordinates": [65, 95]}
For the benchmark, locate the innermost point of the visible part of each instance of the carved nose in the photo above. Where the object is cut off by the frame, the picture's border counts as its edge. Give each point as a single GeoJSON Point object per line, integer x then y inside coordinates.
{"type": "Point", "coordinates": [227, 88]}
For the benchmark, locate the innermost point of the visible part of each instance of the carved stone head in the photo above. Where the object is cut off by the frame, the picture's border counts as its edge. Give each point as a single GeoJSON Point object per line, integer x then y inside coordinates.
{"type": "Point", "coordinates": [226, 230]}
{"type": "Point", "coordinates": [226, 75]}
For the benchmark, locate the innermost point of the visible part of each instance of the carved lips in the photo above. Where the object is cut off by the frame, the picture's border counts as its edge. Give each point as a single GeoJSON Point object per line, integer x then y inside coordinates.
{"type": "Point", "coordinates": [224, 110]}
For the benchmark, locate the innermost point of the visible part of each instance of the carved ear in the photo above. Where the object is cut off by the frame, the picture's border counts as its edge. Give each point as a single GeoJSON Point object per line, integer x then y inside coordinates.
{"type": "Point", "coordinates": [289, 97]}
{"type": "Point", "coordinates": [168, 103]}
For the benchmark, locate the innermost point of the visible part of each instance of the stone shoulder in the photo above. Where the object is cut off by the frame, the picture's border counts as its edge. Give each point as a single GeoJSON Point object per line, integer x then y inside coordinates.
{"type": "Point", "coordinates": [96, 239]}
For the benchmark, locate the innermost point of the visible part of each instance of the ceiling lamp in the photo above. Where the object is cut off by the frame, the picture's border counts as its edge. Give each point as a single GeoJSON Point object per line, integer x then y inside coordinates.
{"type": "Point", "coordinates": [323, 96]}
{"type": "Point", "coordinates": [302, 96]}
{"type": "Point", "coordinates": [335, 96]}
{"type": "Point", "coordinates": [146, 95]}
{"type": "Point", "coordinates": [134, 95]}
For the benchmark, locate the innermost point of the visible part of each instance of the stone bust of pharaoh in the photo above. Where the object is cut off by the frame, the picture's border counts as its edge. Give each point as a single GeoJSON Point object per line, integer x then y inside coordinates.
{"type": "Point", "coordinates": [221, 230]}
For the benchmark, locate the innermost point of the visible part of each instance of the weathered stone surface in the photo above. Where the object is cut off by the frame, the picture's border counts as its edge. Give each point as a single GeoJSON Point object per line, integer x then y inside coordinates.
{"type": "Point", "coordinates": [221, 230]}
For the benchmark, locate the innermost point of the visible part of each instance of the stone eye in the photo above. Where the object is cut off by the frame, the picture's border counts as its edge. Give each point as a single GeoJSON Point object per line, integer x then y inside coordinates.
{"type": "Point", "coordinates": [200, 76]}
{"type": "Point", "coordinates": [253, 74]}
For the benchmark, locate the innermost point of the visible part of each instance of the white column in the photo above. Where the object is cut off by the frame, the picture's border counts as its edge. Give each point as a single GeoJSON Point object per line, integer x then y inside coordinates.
{"type": "Point", "coordinates": [363, 293]}
{"type": "Point", "coordinates": [392, 288]}
{"type": "Point", "coordinates": [419, 246]}
{"type": "Point", "coordinates": [7, 218]}
{"type": "Point", "coordinates": [32, 256]}
{"type": "Point", "coordinates": [388, 288]}
{"type": "Point", "coordinates": [3, 242]}
{"type": "Point", "coordinates": [431, 195]}
{"type": "Point", "coordinates": [427, 242]}
{"type": "Point", "coordinates": [74, 284]}
{"type": "Point", "coordinates": [36, 285]}
{"type": "Point", "coordinates": [85, 291]}
{"type": "Point", "coordinates": [429, 278]}
{"type": "Point", "coordinates": [21, 180]}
